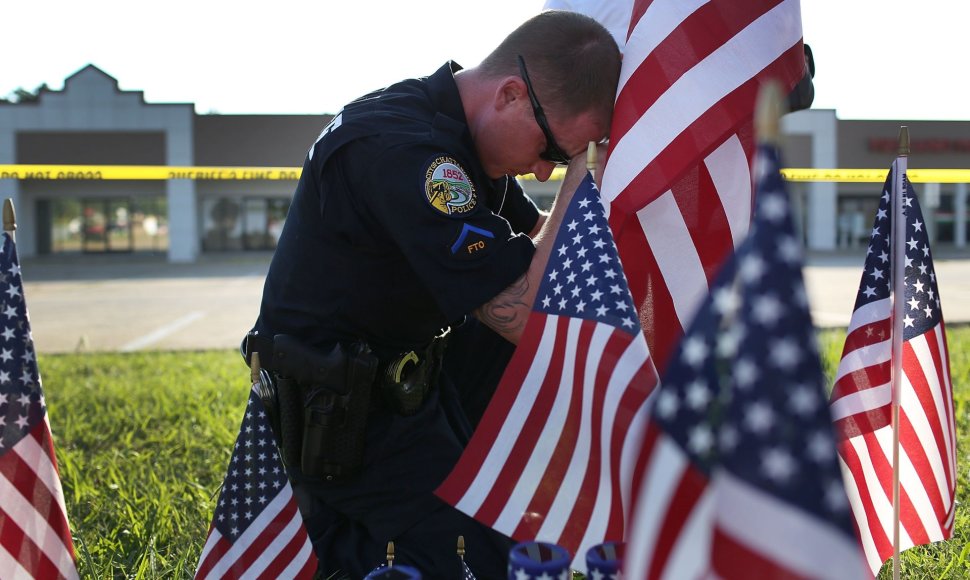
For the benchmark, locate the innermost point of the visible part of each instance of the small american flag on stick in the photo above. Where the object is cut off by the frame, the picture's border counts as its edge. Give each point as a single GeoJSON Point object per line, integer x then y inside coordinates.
{"type": "Point", "coordinates": [862, 397]}
{"type": "Point", "coordinates": [35, 539]}
{"type": "Point", "coordinates": [257, 530]}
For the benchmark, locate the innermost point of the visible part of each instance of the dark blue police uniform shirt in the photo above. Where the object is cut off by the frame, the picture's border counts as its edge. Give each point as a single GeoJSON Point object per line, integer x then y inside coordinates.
{"type": "Point", "coordinates": [395, 231]}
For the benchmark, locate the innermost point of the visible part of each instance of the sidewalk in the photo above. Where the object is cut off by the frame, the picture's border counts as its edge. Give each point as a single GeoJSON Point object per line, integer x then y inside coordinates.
{"type": "Point", "coordinates": [132, 302]}
{"type": "Point", "coordinates": [832, 281]}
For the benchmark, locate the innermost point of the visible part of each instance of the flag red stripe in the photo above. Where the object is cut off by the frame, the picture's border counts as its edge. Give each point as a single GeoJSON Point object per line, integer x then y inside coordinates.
{"type": "Point", "coordinates": [522, 448]}
{"type": "Point", "coordinates": [946, 450]}
{"type": "Point", "coordinates": [461, 478]}
{"type": "Point", "coordinates": [862, 423]}
{"type": "Point", "coordinates": [639, 8]}
{"type": "Point", "coordinates": [57, 519]}
{"type": "Point", "coordinates": [882, 541]}
{"type": "Point", "coordinates": [631, 401]}
{"type": "Point", "coordinates": [648, 288]}
{"type": "Point", "coordinates": [256, 549]}
{"type": "Point", "coordinates": [696, 38]}
{"type": "Point", "coordinates": [215, 553]}
{"type": "Point", "coordinates": [871, 376]}
{"type": "Point", "coordinates": [27, 482]}
{"type": "Point", "coordinates": [44, 507]}
{"type": "Point", "coordinates": [944, 372]}
{"type": "Point", "coordinates": [862, 379]}
{"type": "Point", "coordinates": [309, 569]}
{"type": "Point", "coordinates": [915, 372]}
{"type": "Point", "coordinates": [732, 559]}
{"type": "Point", "coordinates": [629, 239]}
{"type": "Point", "coordinates": [288, 555]}
{"type": "Point", "coordinates": [884, 471]}
{"type": "Point", "coordinates": [867, 334]}
{"type": "Point", "coordinates": [552, 478]}
{"type": "Point", "coordinates": [917, 449]}
{"type": "Point", "coordinates": [715, 124]}
{"type": "Point", "coordinates": [689, 491]}
{"type": "Point", "coordinates": [882, 464]}
{"type": "Point", "coordinates": [31, 556]}
{"type": "Point", "coordinates": [589, 489]}
{"type": "Point", "coordinates": [909, 515]}
{"type": "Point", "coordinates": [700, 205]}
{"type": "Point", "coordinates": [650, 437]}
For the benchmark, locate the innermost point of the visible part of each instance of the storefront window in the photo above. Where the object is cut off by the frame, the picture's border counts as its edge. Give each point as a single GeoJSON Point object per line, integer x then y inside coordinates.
{"type": "Point", "coordinates": [854, 225]}
{"type": "Point", "coordinates": [113, 224]}
{"type": "Point", "coordinates": [253, 223]}
{"type": "Point", "coordinates": [149, 222]}
{"type": "Point", "coordinates": [66, 225]}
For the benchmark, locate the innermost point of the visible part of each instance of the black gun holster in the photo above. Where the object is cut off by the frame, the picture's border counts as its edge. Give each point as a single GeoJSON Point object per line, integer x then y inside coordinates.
{"type": "Point", "coordinates": [323, 400]}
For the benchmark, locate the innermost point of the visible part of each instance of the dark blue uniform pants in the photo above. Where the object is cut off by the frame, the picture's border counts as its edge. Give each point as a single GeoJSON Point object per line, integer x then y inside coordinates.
{"type": "Point", "coordinates": [392, 499]}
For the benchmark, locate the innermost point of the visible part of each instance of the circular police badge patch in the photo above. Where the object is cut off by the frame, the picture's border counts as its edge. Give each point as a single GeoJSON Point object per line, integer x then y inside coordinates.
{"type": "Point", "coordinates": [447, 187]}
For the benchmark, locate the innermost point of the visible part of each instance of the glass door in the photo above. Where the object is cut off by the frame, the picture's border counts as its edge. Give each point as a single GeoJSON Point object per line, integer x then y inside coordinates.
{"type": "Point", "coordinates": [106, 225]}
{"type": "Point", "coordinates": [118, 213]}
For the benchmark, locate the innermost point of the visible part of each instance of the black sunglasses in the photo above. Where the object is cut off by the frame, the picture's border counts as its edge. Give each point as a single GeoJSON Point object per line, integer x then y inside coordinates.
{"type": "Point", "coordinates": [553, 151]}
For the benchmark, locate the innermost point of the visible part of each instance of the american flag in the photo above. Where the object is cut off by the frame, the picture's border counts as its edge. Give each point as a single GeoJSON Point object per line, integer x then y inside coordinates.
{"type": "Point", "coordinates": [738, 477]}
{"type": "Point", "coordinates": [257, 530]}
{"type": "Point", "coordinates": [678, 177]}
{"type": "Point", "coordinates": [553, 455]}
{"type": "Point", "coordinates": [861, 399]}
{"type": "Point", "coordinates": [35, 539]}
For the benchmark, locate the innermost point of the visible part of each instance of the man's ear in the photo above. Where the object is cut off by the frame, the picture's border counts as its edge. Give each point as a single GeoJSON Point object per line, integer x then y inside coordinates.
{"type": "Point", "coordinates": [510, 91]}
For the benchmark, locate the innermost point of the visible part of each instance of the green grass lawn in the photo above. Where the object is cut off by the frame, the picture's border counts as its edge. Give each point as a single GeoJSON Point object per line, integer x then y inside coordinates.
{"type": "Point", "coordinates": [143, 440]}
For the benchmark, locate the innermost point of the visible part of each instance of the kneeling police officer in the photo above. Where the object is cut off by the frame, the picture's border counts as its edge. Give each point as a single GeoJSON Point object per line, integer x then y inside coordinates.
{"type": "Point", "coordinates": [406, 220]}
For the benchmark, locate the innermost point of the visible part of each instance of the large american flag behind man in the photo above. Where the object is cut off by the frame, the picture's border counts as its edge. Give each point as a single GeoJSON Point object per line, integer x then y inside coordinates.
{"type": "Point", "coordinates": [738, 476]}
{"type": "Point", "coordinates": [257, 530]}
{"type": "Point", "coordinates": [861, 399]}
{"type": "Point", "coordinates": [552, 458]}
{"type": "Point", "coordinates": [35, 539]}
{"type": "Point", "coordinates": [678, 176]}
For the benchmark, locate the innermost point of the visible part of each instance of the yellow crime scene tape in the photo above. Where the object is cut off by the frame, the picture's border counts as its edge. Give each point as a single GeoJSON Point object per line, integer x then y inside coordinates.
{"type": "Point", "coordinates": [165, 172]}
{"type": "Point", "coordinates": [147, 172]}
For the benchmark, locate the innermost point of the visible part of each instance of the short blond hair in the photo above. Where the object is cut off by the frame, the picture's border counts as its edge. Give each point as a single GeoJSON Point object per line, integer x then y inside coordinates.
{"type": "Point", "coordinates": [572, 60]}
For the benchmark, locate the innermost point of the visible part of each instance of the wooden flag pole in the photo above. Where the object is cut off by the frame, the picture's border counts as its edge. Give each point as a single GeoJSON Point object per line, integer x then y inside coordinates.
{"type": "Point", "coordinates": [591, 159]}
{"type": "Point", "coordinates": [767, 113]}
{"type": "Point", "coordinates": [898, 251]}
{"type": "Point", "coordinates": [9, 218]}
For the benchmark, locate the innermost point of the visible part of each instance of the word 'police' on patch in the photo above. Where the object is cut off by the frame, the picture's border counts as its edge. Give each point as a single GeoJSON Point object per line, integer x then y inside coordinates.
{"type": "Point", "coordinates": [448, 188]}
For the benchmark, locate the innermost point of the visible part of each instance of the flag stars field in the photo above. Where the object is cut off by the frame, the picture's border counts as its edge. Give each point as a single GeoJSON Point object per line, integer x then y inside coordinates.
{"type": "Point", "coordinates": [573, 285]}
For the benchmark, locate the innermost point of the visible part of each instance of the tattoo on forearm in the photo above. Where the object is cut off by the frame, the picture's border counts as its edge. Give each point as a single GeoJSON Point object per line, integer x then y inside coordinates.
{"type": "Point", "coordinates": [508, 311]}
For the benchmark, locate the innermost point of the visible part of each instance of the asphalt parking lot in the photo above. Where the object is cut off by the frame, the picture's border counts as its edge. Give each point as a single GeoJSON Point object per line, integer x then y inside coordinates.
{"type": "Point", "coordinates": [137, 302]}
{"type": "Point", "coordinates": [129, 302]}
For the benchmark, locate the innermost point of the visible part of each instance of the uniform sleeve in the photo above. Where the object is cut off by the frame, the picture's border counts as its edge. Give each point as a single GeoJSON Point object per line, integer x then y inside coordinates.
{"type": "Point", "coordinates": [519, 209]}
{"type": "Point", "coordinates": [458, 248]}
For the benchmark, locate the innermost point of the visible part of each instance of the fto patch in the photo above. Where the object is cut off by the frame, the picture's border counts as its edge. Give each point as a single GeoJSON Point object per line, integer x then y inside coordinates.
{"type": "Point", "coordinates": [447, 187]}
{"type": "Point", "coordinates": [471, 241]}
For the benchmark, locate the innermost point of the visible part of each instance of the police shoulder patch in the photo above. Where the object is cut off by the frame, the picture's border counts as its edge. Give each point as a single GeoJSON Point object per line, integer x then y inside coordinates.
{"type": "Point", "coordinates": [447, 187]}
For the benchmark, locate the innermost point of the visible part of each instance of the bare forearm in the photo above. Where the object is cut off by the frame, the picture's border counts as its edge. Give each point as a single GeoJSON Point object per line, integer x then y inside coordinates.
{"type": "Point", "coordinates": [508, 312]}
